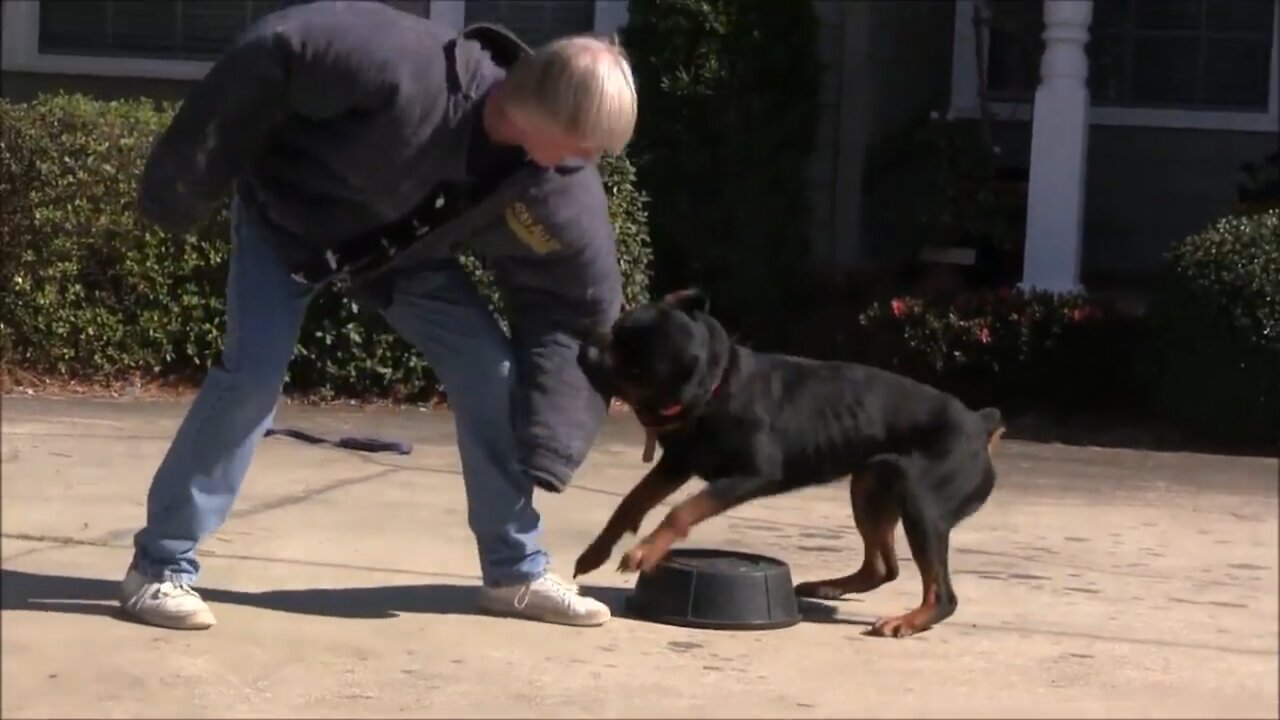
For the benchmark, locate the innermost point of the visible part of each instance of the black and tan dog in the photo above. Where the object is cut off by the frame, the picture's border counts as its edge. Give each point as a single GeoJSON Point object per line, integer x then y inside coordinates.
{"type": "Point", "coordinates": [753, 424]}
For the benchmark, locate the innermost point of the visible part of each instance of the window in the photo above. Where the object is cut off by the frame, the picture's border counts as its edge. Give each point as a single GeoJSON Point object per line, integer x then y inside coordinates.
{"type": "Point", "coordinates": [1196, 64]}
{"type": "Point", "coordinates": [201, 29]}
{"type": "Point", "coordinates": [178, 39]}
{"type": "Point", "coordinates": [1213, 55]}
{"type": "Point", "coordinates": [535, 21]}
{"type": "Point", "coordinates": [171, 29]}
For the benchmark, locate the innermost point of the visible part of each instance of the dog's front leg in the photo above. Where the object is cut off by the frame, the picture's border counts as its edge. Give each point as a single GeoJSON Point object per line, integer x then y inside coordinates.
{"type": "Point", "coordinates": [718, 497]}
{"type": "Point", "coordinates": [657, 485]}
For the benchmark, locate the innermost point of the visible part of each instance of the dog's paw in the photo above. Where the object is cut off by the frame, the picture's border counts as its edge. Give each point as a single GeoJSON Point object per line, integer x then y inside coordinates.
{"type": "Point", "coordinates": [641, 558]}
{"type": "Point", "coordinates": [893, 627]}
{"type": "Point", "coordinates": [819, 590]}
{"type": "Point", "coordinates": [591, 559]}
{"type": "Point", "coordinates": [630, 561]}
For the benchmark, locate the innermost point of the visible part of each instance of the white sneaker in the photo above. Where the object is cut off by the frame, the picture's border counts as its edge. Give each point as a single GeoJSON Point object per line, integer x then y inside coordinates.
{"type": "Point", "coordinates": [549, 599]}
{"type": "Point", "coordinates": [165, 604]}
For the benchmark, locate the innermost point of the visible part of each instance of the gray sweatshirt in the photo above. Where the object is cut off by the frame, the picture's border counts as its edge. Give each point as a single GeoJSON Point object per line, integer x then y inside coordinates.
{"type": "Point", "coordinates": [344, 123]}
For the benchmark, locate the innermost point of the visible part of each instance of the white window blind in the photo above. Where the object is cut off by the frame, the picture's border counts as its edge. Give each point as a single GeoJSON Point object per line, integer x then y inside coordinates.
{"type": "Point", "coordinates": [1176, 54]}
{"type": "Point", "coordinates": [176, 29]}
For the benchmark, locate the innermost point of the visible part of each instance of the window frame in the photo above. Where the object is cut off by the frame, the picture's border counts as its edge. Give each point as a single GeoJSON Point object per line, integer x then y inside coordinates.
{"type": "Point", "coordinates": [21, 44]}
{"type": "Point", "coordinates": [964, 93]}
{"type": "Point", "coordinates": [22, 53]}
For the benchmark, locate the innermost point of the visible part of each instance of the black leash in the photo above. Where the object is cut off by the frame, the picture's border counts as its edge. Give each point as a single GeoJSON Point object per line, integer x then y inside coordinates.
{"type": "Point", "coordinates": [363, 444]}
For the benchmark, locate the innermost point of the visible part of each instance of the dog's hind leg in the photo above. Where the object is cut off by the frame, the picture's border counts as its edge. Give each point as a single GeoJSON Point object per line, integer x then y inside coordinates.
{"type": "Point", "coordinates": [875, 512]}
{"type": "Point", "coordinates": [929, 537]}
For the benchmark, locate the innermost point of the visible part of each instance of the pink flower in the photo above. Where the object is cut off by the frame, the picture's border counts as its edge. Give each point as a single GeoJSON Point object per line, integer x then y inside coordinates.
{"type": "Point", "coordinates": [984, 336]}
{"type": "Point", "coordinates": [898, 307]}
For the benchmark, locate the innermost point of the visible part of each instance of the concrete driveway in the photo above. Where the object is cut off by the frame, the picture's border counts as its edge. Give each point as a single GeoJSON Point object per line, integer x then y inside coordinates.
{"type": "Point", "coordinates": [1094, 584]}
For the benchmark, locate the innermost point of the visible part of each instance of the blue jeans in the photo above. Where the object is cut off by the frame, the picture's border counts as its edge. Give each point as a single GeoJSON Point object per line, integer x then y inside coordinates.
{"type": "Point", "coordinates": [440, 312]}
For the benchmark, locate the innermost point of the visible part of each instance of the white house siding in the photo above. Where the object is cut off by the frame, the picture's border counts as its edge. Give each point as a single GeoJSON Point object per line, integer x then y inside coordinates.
{"type": "Point", "coordinates": [1150, 187]}
{"type": "Point", "coordinates": [1147, 188]}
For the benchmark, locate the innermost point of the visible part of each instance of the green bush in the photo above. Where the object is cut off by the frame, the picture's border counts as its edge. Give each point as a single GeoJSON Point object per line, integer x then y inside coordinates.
{"type": "Point", "coordinates": [729, 108]}
{"type": "Point", "coordinates": [629, 211]}
{"type": "Point", "coordinates": [1059, 353]}
{"type": "Point", "coordinates": [1216, 331]}
{"type": "Point", "coordinates": [91, 291]}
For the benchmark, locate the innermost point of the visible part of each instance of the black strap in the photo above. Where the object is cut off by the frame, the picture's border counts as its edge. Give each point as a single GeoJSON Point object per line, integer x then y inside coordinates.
{"type": "Point", "coordinates": [442, 240]}
{"type": "Point", "coordinates": [445, 201]}
{"type": "Point", "coordinates": [363, 261]}
{"type": "Point", "coordinates": [362, 444]}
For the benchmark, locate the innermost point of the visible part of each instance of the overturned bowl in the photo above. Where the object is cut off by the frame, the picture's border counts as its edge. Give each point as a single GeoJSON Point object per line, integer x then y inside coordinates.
{"type": "Point", "coordinates": [718, 590]}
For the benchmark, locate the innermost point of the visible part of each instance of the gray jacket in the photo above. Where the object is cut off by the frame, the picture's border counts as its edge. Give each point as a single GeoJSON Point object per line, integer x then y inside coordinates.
{"type": "Point", "coordinates": [337, 123]}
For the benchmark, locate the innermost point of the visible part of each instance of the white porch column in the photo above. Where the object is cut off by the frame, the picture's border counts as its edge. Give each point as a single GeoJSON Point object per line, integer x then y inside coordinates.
{"type": "Point", "coordinates": [1059, 144]}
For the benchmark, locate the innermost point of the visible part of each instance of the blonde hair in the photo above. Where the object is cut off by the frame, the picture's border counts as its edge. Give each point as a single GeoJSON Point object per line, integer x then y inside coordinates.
{"type": "Point", "coordinates": [582, 85]}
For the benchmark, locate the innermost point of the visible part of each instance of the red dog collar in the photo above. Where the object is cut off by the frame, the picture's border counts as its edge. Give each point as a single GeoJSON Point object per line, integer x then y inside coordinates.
{"type": "Point", "coordinates": [651, 432]}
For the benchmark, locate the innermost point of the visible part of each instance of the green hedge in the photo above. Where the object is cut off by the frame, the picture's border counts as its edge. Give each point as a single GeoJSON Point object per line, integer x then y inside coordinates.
{"type": "Point", "coordinates": [1215, 325]}
{"type": "Point", "coordinates": [1203, 361]}
{"type": "Point", "coordinates": [1036, 351]}
{"type": "Point", "coordinates": [91, 291]}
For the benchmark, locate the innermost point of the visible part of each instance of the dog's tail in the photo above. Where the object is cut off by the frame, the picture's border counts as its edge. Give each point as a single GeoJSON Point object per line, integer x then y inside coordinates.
{"type": "Point", "coordinates": [993, 423]}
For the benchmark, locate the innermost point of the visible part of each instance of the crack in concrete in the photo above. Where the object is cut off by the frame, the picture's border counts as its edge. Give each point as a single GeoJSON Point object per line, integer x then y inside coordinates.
{"type": "Point", "coordinates": [1029, 559]}
{"type": "Point", "coordinates": [1033, 560]}
{"type": "Point", "coordinates": [813, 612]}
{"type": "Point", "coordinates": [66, 541]}
{"type": "Point", "coordinates": [112, 538]}
{"type": "Point", "coordinates": [168, 437]}
{"type": "Point", "coordinates": [819, 615]}
{"type": "Point", "coordinates": [300, 497]}
{"type": "Point", "coordinates": [78, 436]}
{"type": "Point", "coordinates": [389, 468]}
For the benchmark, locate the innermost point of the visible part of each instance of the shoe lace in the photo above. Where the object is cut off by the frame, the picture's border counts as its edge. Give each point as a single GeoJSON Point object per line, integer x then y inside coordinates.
{"type": "Point", "coordinates": [564, 591]}
{"type": "Point", "coordinates": [169, 588]}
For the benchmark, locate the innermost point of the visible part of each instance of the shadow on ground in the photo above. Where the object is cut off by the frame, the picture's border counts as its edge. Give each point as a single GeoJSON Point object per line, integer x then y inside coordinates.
{"type": "Point", "coordinates": [21, 590]}
{"type": "Point", "coordinates": [35, 592]}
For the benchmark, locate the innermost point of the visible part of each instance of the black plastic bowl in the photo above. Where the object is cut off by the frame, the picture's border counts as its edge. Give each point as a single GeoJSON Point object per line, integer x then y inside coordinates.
{"type": "Point", "coordinates": [717, 589]}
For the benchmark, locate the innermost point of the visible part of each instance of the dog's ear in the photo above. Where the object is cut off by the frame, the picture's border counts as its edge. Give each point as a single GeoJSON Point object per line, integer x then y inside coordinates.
{"type": "Point", "coordinates": [689, 300]}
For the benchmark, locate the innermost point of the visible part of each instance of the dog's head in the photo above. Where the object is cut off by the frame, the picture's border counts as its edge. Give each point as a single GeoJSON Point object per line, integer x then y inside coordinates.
{"type": "Point", "coordinates": [662, 358]}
